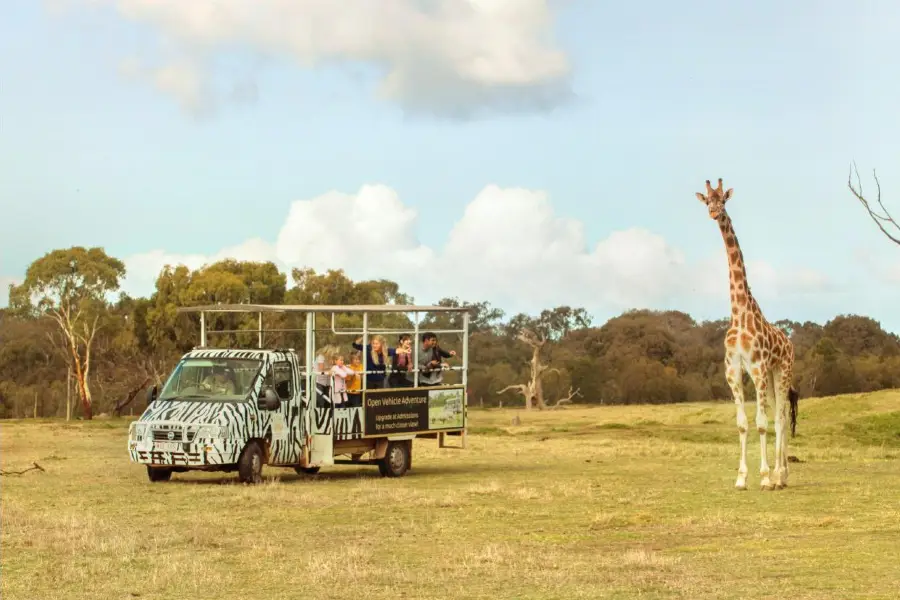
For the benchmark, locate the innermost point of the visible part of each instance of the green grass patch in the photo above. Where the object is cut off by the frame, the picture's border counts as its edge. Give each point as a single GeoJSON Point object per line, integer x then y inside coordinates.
{"type": "Point", "coordinates": [579, 503]}
{"type": "Point", "coordinates": [876, 430]}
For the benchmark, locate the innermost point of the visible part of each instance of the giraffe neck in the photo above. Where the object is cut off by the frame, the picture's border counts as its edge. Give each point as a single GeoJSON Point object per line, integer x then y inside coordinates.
{"type": "Point", "coordinates": [741, 299]}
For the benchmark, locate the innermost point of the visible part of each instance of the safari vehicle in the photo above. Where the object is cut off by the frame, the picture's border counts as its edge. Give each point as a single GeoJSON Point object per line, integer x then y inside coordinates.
{"type": "Point", "coordinates": [231, 409]}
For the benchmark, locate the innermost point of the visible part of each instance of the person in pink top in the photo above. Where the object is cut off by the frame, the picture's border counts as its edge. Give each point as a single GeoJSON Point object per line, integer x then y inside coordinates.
{"type": "Point", "coordinates": [340, 373]}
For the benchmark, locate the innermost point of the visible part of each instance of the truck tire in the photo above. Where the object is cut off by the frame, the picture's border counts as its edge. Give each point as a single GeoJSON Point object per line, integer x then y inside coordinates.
{"type": "Point", "coordinates": [159, 474]}
{"type": "Point", "coordinates": [250, 464]}
{"type": "Point", "coordinates": [396, 459]}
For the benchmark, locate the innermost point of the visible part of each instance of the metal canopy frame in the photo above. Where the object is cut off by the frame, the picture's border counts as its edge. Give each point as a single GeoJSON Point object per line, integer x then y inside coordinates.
{"type": "Point", "coordinates": [311, 310]}
{"type": "Point", "coordinates": [323, 308]}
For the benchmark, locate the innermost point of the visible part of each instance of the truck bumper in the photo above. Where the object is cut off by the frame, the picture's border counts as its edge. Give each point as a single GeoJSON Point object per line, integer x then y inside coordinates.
{"type": "Point", "coordinates": [188, 455]}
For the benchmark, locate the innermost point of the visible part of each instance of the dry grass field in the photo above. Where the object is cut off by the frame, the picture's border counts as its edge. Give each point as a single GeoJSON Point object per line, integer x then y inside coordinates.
{"type": "Point", "coordinates": [604, 502]}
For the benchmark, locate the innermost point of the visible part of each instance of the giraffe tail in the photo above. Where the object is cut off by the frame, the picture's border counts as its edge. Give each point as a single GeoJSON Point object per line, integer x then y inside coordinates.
{"type": "Point", "coordinates": [794, 397]}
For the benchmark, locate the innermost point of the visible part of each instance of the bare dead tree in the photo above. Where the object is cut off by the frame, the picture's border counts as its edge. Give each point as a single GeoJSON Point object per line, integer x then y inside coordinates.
{"type": "Point", "coordinates": [533, 391]}
{"type": "Point", "coordinates": [567, 399]}
{"type": "Point", "coordinates": [882, 218]}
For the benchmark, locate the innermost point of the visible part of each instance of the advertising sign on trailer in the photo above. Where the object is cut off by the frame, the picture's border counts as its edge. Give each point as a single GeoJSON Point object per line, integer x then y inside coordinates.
{"type": "Point", "coordinates": [413, 410]}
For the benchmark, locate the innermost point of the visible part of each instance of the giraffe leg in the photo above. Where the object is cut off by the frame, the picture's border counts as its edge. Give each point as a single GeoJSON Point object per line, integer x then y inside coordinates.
{"type": "Point", "coordinates": [782, 387]}
{"type": "Point", "coordinates": [779, 395]}
{"type": "Point", "coordinates": [733, 375]}
{"type": "Point", "coordinates": [761, 383]}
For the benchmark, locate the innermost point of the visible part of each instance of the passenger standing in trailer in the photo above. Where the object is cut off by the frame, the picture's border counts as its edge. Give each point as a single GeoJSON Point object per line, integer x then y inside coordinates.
{"type": "Point", "coordinates": [323, 383]}
{"type": "Point", "coordinates": [402, 364]}
{"type": "Point", "coordinates": [431, 366]}
{"type": "Point", "coordinates": [354, 382]}
{"type": "Point", "coordinates": [377, 355]}
{"type": "Point", "coordinates": [339, 375]}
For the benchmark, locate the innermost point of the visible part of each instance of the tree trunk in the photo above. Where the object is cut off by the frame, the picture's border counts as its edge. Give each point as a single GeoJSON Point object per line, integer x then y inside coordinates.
{"type": "Point", "coordinates": [81, 383]}
{"type": "Point", "coordinates": [84, 393]}
{"type": "Point", "coordinates": [536, 385]}
{"type": "Point", "coordinates": [81, 366]}
{"type": "Point", "coordinates": [68, 393]}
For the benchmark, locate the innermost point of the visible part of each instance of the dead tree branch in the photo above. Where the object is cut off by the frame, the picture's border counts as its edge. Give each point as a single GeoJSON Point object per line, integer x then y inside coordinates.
{"type": "Point", "coordinates": [519, 387]}
{"type": "Point", "coordinates": [567, 399]}
{"type": "Point", "coordinates": [120, 406]}
{"type": "Point", "coordinates": [36, 467]}
{"type": "Point", "coordinates": [883, 219]}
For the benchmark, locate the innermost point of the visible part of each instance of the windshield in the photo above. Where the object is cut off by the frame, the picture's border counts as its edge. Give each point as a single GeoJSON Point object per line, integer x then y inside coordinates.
{"type": "Point", "coordinates": [216, 379]}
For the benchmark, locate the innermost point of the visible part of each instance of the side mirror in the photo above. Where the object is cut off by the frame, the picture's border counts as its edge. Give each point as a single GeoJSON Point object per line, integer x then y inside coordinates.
{"type": "Point", "coordinates": [151, 394]}
{"type": "Point", "coordinates": [269, 400]}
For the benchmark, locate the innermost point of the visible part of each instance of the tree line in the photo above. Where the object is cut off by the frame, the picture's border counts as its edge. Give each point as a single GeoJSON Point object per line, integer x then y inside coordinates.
{"type": "Point", "coordinates": [71, 344]}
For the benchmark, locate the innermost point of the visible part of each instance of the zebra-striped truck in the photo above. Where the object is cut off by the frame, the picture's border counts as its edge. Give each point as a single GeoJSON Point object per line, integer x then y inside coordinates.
{"type": "Point", "coordinates": [240, 409]}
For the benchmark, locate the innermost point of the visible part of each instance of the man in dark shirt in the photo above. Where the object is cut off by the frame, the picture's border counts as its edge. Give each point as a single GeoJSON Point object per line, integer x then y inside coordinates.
{"type": "Point", "coordinates": [430, 364]}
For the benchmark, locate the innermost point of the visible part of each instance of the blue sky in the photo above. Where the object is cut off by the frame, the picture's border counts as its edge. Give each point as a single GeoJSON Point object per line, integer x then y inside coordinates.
{"type": "Point", "coordinates": [777, 98]}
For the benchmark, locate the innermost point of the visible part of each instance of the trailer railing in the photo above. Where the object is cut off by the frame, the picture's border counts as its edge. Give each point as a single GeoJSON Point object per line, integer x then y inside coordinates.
{"type": "Point", "coordinates": [311, 311]}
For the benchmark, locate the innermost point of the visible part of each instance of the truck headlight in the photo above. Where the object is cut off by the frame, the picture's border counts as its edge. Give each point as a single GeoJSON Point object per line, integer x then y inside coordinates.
{"type": "Point", "coordinates": [137, 431]}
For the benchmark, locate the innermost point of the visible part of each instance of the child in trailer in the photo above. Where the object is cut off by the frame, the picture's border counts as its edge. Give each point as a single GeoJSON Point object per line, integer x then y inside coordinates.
{"type": "Point", "coordinates": [401, 366]}
{"type": "Point", "coordinates": [340, 373]}
{"type": "Point", "coordinates": [354, 382]}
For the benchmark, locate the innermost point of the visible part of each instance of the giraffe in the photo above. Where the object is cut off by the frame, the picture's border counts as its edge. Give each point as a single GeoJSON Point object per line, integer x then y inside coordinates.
{"type": "Point", "coordinates": [755, 346]}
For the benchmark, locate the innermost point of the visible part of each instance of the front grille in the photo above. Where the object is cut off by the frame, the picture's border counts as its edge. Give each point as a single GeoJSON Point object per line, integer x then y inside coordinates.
{"type": "Point", "coordinates": [162, 435]}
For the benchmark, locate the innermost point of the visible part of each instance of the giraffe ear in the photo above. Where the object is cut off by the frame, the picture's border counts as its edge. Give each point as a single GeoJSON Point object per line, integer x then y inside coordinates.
{"type": "Point", "coordinates": [702, 198]}
{"type": "Point", "coordinates": [727, 195]}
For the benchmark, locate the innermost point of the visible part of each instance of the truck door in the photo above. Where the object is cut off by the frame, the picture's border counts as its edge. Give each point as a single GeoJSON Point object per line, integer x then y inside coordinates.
{"type": "Point", "coordinates": [321, 451]}
{"type": "Point", "coordinates": [287, 440]}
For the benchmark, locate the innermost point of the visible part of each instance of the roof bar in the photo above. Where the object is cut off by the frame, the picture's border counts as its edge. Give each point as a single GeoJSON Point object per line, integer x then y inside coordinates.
{"type": "Point", "coordinates": [323, 308]}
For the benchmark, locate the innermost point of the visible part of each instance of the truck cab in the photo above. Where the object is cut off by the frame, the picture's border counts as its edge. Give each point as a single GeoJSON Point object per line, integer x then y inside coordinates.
{"type": "Point", "coordinates": [229, 410]}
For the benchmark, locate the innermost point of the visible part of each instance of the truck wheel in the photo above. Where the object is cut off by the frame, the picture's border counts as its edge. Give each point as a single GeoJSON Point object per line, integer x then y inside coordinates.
{"type": "Point", "coordinates": [159, 474]}
{"type": "Point", "coordinates": [250, 464]}
{"type": "Point", "coordinates": [396, 459]}
{"type": "Point", "coordinates": [307, 470]}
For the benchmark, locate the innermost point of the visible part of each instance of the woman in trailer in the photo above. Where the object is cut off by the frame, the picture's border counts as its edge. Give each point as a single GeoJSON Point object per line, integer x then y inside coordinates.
{"type": "Point", "coordinates": [377, 355]}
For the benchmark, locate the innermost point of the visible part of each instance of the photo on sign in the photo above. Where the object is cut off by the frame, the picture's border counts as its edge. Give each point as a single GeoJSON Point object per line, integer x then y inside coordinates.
{"type": "Point", "coordinates": [445, 409]}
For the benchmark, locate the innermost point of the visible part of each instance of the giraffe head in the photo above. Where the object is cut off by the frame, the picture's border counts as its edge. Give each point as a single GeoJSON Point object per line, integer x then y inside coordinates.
{"type": "Point", "coordinates": [715, 199]}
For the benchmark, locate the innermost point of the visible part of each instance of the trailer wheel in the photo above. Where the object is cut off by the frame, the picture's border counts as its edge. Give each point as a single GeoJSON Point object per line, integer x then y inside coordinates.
{"type": "Point", "coordinates": [307, 470]}
{"type": "Point", "coordinates": [396, 459]}
{"type": "Point", "coordinates": [158, 474]}
{"type": "Point", "coordinates": [250, 464]}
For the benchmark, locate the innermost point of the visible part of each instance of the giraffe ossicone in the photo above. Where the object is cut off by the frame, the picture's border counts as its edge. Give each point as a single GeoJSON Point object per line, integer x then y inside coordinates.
{"type": "Point", "coordinates": [758, 348]}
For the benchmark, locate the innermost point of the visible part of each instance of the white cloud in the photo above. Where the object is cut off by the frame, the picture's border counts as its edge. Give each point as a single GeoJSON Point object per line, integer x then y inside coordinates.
{"type": "Point", "coordinates": [509, 248]}
{"type": "Point", "coordinates": [371, 230]}
{"type": "Point", "coordinates": [182, 80]}
{"type": "Point", "coordinates": [883, 267]}
{"type": "Point", "coordinates": [452, 57]}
